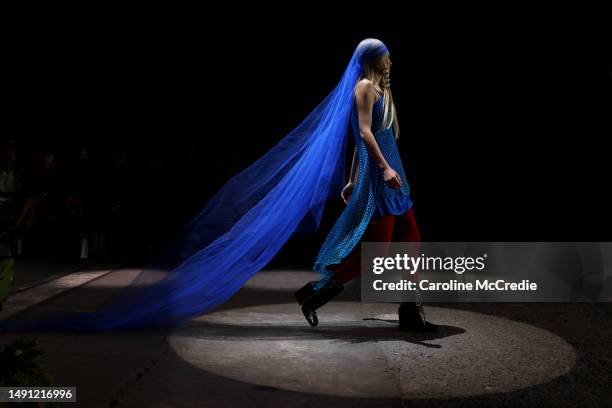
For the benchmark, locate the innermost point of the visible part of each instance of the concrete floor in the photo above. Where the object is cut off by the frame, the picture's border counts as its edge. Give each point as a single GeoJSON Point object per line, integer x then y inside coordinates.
{"type": "Point", "coordinates": [258, 351]}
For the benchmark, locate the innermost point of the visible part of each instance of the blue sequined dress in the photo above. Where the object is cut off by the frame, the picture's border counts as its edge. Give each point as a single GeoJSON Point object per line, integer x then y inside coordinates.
{"type": "Point", "coordinates": [371, 196]}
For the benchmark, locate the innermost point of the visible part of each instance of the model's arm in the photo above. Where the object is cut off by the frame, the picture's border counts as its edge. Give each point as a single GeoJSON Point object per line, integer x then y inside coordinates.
{"type": "Point", "coordinates": [365, 96]}
{"type": "Point", "coordinates": [348, 189]}
{"type": "Point", "coordinates": [354, 167]}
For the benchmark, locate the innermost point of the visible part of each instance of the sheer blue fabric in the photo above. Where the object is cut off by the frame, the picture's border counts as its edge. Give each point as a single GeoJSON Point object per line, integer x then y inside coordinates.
{"type": "Point", "coordinates": [240, 229]}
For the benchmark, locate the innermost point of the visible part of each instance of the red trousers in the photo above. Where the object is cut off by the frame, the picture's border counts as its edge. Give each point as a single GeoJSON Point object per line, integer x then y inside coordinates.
{"type": "Point", "coordinates": [387, 228]}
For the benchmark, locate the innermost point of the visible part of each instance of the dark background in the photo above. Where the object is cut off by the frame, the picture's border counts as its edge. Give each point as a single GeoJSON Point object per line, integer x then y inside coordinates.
{"type": "Point", "coordinates": [503, 126]}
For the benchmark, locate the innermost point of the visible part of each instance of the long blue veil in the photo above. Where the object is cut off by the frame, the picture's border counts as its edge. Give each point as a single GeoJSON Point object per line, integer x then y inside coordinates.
{"type": "Point", "coordinates": [240, 229]}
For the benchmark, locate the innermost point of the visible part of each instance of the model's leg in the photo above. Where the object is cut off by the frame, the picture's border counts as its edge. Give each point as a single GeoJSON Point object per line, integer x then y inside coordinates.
{"type": "Point", "coordinates": [406, 230]}
{"type": "Point", "coordinates": [411, 314]}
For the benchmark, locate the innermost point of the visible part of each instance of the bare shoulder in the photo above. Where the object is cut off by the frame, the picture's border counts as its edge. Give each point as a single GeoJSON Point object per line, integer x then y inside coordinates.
{"type": "Point", "coordinates": [364, 88]}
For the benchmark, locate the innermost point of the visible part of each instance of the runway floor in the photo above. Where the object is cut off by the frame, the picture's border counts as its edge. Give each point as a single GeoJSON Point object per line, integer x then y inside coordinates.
{"type": "Point", "coordinates": [257, 350]}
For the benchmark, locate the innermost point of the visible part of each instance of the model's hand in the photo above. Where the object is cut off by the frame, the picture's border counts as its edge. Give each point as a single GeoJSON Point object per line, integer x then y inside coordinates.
{"type": "Point", "coordinates": [347, 191]}
{"type": "Point", "coordinates": [392, 179]}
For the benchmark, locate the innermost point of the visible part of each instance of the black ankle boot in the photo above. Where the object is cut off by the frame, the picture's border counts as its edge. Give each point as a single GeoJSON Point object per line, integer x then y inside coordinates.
{"type": "Point", "coordinates": [305, 292]}
{"type": "Point", "coordinates": [312, 299]}
{"type": "Point", "coordinates": [412, 318]}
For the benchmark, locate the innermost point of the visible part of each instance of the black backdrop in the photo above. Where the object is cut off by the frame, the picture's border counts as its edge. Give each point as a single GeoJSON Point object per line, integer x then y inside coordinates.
{"type": "Point", "coordinates": [503, 126]}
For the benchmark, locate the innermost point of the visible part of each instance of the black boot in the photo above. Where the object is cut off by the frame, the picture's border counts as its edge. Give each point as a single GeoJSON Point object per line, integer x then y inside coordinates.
{"type": "Point", "coordinates": [312, 299]}
{"type": "Point", "coordinates": [305, 292]}
{"type": "Point", "coordinates": [412, 318]}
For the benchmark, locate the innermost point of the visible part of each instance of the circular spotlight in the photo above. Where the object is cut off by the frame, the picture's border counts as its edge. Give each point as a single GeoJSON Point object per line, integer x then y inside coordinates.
{"type": "Point", "coordinates": [358, 351]}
